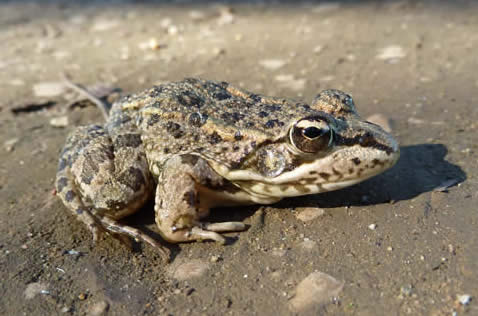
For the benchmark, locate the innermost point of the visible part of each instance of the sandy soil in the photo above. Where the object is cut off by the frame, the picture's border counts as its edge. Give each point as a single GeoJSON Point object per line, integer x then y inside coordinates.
{"type": "Point", "coordinates": [400, 243]}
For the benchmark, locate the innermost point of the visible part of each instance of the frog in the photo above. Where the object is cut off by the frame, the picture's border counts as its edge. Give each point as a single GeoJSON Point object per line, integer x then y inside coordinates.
{"type": "Point", "coordinates": [197, 144]}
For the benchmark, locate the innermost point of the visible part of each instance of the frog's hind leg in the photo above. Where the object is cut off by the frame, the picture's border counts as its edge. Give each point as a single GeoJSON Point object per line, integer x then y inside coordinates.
{"type": "Point", "coordinates": [66, 185]}
{"type": "Point", "coordinates": [119, 230]}
{"type": "Point", "coordinates": [102, 179]}
{"type": "Point", "coordinates": [67, 192]}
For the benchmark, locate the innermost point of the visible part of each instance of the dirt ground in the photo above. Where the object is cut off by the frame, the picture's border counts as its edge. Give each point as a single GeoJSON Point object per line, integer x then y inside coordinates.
{"type": "Point", "coordinates": [404, 242]}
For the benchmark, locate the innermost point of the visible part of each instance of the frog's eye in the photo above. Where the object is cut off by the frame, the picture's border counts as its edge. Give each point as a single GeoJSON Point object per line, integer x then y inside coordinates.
{"type": "Point", "coordinates": [311, 135]}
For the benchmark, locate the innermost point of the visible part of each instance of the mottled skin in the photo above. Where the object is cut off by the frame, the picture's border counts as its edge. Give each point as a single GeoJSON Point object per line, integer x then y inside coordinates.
{"type": "Point", "coordinates": [202, 144]}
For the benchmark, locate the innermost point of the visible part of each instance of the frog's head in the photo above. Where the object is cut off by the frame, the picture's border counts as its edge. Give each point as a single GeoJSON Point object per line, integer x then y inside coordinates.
{"type": "Point", "coordinates": [327, 147]}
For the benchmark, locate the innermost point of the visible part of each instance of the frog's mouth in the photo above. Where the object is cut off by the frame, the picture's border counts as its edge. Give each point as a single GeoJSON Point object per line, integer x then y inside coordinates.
{"type": "Point", "coordinates": [345, 167]}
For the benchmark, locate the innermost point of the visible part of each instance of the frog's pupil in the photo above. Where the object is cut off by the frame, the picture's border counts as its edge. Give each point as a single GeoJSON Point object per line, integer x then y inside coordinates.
{"type": "Point", "coordinates": [312, 132]}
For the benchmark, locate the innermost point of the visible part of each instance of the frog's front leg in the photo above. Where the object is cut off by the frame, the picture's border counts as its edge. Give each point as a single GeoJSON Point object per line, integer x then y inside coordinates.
{"type": "Point", "coordinates": [182, 200]}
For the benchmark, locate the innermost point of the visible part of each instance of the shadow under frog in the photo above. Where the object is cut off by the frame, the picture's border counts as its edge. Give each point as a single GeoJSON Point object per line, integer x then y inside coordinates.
{"type": "Point", "coordinates": [421, 168]}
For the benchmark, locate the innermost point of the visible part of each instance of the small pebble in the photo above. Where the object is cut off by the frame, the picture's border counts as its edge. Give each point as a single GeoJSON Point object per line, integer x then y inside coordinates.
{"type": "Point", "coordinates": [309, 213]}
{"type": "Point", "coordinates": [414, 120]}
{"type": "Point", "coordinates": [10, 144]}
{"type": "Point", "coordinates": [225, 16]}
{"type": "Point", "coordinates": [33, 289]}
{"type": "Point", "coordinates": [49, 89]}
{"type": "Point", "coordinates": [289, 81]}
{"type": "Point", "coordinates": [61, 121]}
{"type": "Point", "coordinates": [327, 78]}
{"type": "Point", "coordinates": [318, 49]}
{"type": "Point", "coordinates": [191, 269]}
{"type": "Point", "coordinates": [78, 19]}
{"type": "Point", "coordinates": [61, 54]}
{"type": "Point", "coordinates": [464, 299]}
{"type": "Point", "coordinates": [104, 25]}
{"type": "Point", "coordinates": [284, 77]}
{"type": "Point", "coordinates": [389, 248]}
{"type": "Point", "coordinates": [272, 64]}
{"type": "Point", "coordinates": [215, 258]}
{"type": "Point", "coordinates": [98, 309]}
{"type": "Point", "coordinates": [73, 252]}
{"type": "Point", "coordinates": [308, 244]}
{"type": "Point", "coordinates": [391, 53]}
{"type": "Point", "coordinates": [218, 51]}
{"type": "Point", "coordinates": [165, 23]}
{"type": "Point", "coordinates": [151, 44]}
{"type": "Point", "coordinates": [451, 249]}
{"type": "Point", "coordinates": [406, 290]}
{"type": "Point", "coordinates": [276, 252]}
{"type": "Point", "coordinates": [372, 226]}
{"type": "Point", "coordinates": [82, 296]}
{"type": "Point", "coordinates": [276, 275]}
{"type": "Point", "coordinates": [196, 15]}
{"type": "Point", "coordinates": [317, 288]}
{"type": "Point", "coordinates": [65, 309]}
{"type": "Point", "coordinates": [173, 30]}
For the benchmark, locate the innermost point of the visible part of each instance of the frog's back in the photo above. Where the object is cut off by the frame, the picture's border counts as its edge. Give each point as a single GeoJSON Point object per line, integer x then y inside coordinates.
{"type": "Point", "coordinates": [207, 117]}
{"type": "Point", "coordinates": [194, 101]}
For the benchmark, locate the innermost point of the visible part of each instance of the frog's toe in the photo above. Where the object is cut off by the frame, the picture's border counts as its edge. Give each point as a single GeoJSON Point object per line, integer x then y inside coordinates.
{"type": "Point", "coordinates": [92, 223]}
{"type": "Point", "coordinates": [197, 233]}
{"type": "Point", "coordinates": [225, 226]}
{"type": "Point", "coordinates": [119, 229]}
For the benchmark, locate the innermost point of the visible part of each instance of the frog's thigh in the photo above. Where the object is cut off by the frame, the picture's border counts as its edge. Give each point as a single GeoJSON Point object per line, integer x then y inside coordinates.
{"type": "Point", "coordinates": [101, 178]}
{"type": "Point", "coordinates": [113, 174]}
{"type": "Point", "coordinates": [178, 204]}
